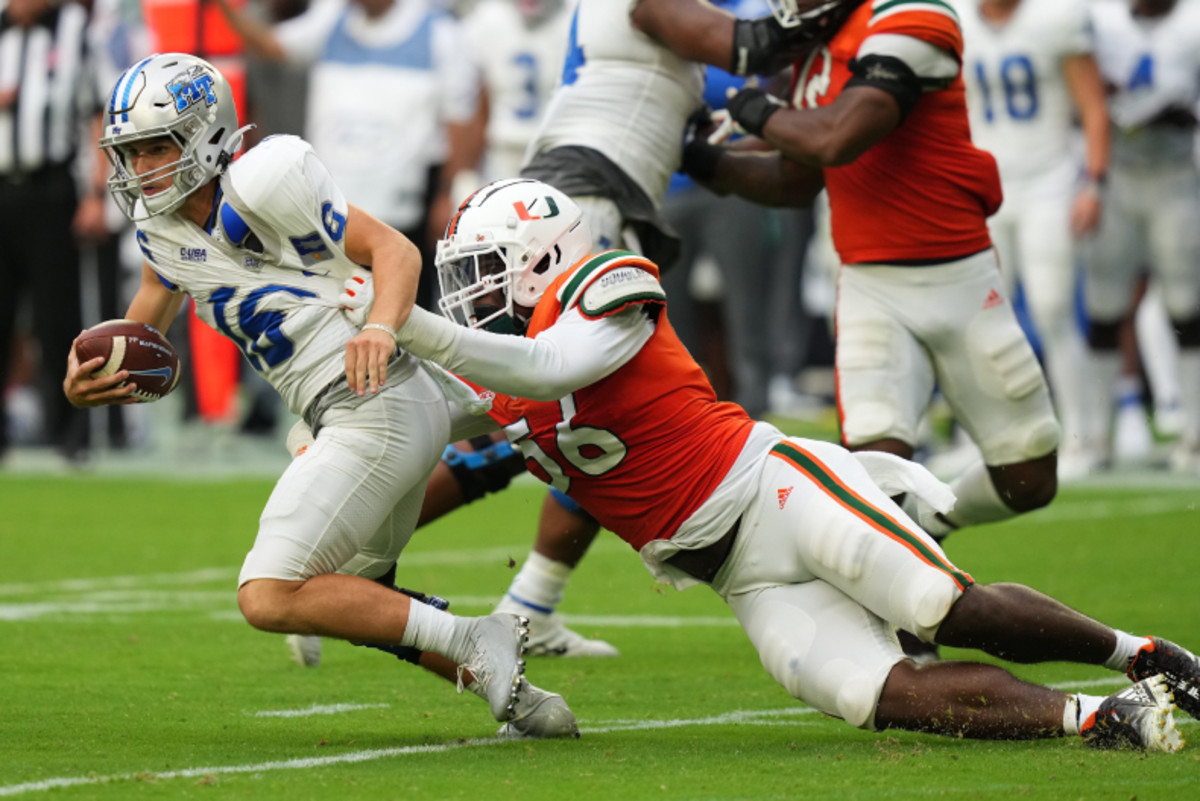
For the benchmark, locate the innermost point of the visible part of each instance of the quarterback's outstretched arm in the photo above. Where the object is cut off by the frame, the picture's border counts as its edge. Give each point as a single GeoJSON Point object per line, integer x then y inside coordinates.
{"type": "Point", "coordinates": [154, 305]}
{"type": "Point", "coordinates": [571, 354]}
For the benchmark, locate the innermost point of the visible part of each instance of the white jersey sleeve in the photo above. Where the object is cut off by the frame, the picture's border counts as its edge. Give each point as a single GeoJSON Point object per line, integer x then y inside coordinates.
{"type": "Point", "coordinates": [520, 67]}
{"type": "Point", "coordinates": [268, 269]}
{"type": "Point", "coordinates": [623, 94]}
{"type": "Point", "coordinates": [1018, 101]}
{"type": "Point", "coordinates": [574, 352]}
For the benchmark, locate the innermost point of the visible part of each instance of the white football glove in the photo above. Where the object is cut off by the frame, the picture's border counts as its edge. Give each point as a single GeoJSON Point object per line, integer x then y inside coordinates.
{"type": "Point", "coordinates": [358, 293]}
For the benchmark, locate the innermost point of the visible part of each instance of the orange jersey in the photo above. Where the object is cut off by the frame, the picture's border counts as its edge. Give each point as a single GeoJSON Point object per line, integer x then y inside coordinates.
{"type": "Point", "coordinates": [642, 448]}
{"type": "Point", "coordinates": [924, 191]}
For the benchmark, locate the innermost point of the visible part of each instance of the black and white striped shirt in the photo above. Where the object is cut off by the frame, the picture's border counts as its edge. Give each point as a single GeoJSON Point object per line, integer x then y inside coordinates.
{"type": "Point", "coordinates": [48, 63]}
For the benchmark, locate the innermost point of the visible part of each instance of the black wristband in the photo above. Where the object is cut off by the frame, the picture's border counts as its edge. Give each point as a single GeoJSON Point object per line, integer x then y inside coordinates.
{"type": "Point", "coordinates": [752, 107]}
{"type": "Point", "coordinates": [700, 160]}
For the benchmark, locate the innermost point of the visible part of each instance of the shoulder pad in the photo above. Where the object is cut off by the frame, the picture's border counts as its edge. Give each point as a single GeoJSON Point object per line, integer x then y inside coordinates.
{"type": "Point", "coordinates": [263, 170]}
{"type": "Point", "coordinates": [610, 282]}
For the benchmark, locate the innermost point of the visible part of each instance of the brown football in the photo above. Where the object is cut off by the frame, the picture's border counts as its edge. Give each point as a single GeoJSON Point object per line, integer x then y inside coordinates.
{"type": "Point", "coordinates": [152, 362]}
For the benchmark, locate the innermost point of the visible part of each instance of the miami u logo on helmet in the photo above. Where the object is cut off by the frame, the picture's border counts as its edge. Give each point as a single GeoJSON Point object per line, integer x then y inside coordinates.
{"type": "Point", "coordinates": [190, 88]}
{"type": "Point", "coordinates": [525, 212]}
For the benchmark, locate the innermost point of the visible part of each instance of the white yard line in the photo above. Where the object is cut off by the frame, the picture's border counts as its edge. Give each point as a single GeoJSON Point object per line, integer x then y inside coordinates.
{"type": "Point", "coordinates": [748, 717]}
{"type": "Point", "coordinates": [761, 717]}
{"type": "Point", "coordinates": [316, 709]}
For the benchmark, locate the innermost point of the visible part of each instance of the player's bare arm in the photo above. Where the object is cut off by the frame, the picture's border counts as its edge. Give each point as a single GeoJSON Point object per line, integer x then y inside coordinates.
{"type": "Point", "coordinates": [693, 30]}
{"type": "Point", "coordinates": [698, 31]}
{"type": "Point", "coordinates": [765, 176]}
{"type": "Point", "coordinates": [154, 305]}
{"type": "Point", "coordinates": [395, 263]}
{"type": "Point", "coordinates": [836, 134]}
{"type": "Point", "coordinates": [1087, 91]}
{"type": "Point", "coordinates": [257, 36]}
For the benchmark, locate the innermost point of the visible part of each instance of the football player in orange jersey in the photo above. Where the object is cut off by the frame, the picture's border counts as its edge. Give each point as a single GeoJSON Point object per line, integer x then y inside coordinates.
{"type": "Point", "coordinates": [799, 537]}
{"type": "Point", "coordinates": [877, 116]}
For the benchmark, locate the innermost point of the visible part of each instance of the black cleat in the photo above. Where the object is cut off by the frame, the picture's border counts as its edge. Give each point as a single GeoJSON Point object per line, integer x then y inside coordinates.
{"type": "Point", "coordinates": [1179, 666]}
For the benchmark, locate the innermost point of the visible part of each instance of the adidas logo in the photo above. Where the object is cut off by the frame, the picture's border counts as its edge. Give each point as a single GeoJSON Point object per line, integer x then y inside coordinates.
{"type": "Point", "coordinates": [784, 494]}
{"type": "Point", "coordinates": [993, 299]}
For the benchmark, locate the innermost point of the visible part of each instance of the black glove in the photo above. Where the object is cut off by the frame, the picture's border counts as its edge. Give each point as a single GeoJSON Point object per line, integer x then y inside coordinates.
{"type": "Point", "coordinates": [752, 107]}
{"type": "Point", "coordinates": [764, 47]}
{"type": "Point", "coordinates": [699, 157]}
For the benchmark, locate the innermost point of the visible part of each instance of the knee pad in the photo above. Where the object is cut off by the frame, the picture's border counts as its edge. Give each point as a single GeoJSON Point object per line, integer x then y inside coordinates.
{"type": "Point", "coordinates": [857, 695]}
{"type": "Point", "coordinates": [1103, 335]}
{"type": "Point", "coordinates": [933, 604]}
{"type": "Point", "coordinates": [486, 469]}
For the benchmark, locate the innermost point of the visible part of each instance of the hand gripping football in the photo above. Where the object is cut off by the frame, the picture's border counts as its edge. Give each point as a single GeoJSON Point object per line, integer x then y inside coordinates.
{"type": "Point", "coordinates": [152, 362]}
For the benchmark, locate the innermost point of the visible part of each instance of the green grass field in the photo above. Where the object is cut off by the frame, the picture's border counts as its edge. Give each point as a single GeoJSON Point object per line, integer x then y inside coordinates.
{"type": "Point", "coordinates": [126, 671]}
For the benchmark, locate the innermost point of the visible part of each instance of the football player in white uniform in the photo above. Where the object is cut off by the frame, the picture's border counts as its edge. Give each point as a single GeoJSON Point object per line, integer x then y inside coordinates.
{"type": "Point", "coordinates": [519, 47]}
{"type": "Point", "coordinates": [1028, 66]}
{"type": "Point", "coordinates": [798, 537]}
{"type": "Point", "coordinates": [1149, 55]}
{"type": "Point", "coordinates": [263, 246]}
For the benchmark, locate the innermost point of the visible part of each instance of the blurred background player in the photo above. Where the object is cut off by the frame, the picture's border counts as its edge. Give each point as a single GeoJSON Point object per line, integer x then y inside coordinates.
{"type": "Point", "coordinates": [735, 297]}
{"type": "Point", "coordinates": [1028, 67]}
{"type": "Point", "coordinates": [878, 117]}
{"type": "Point", "coordinates": [1149, 55]}
{"type": "Point", "coordinates": [392, 93]}
{"type": "Point", "coordinates": [50, 95]}
{"type": "Point", "coordinates": [519, 45]}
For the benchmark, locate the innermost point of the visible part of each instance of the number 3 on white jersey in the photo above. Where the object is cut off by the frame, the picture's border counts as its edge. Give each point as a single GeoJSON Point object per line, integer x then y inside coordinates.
{"type": "Point", "coordinates": [594, 451]}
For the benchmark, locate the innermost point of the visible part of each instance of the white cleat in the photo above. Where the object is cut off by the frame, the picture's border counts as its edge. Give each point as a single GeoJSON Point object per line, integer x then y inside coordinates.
{"type": "Point", "coordinates": [1140, 716]}
{"type": "Point", "coordinates": [539, 714]}
{"type": "Point", "coordinates": [495, 661]}
{"type": "Point", "coordinates": [549, 635]}
{"type": "Point", "coordinates": [305, 650]}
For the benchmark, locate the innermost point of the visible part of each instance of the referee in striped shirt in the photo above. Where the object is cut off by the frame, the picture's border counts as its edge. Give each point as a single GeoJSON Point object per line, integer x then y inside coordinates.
{"type": "Point", "coordinates": [48, 97]}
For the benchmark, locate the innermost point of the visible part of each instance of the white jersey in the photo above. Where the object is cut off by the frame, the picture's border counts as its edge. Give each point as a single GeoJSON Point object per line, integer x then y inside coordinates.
{"type": "Point", "coordinates": [1150, 65]}
{"type": "Point", "coordinates": [623, 94]}
{"type": "Point", "coordinates": [268, 270]}
{"type": "Point", "coordinates": [521, 66]}
{"type": "Point", "coordinates": [380, 93]}
{"type": "Point", "coordinates": [1018, 102]}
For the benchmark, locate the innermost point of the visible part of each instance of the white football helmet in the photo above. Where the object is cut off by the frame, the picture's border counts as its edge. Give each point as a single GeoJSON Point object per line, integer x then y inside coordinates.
{"type": "Point", "coordinates": [505, 245]}
{"type": "Point", "coordinates": [172, 95]}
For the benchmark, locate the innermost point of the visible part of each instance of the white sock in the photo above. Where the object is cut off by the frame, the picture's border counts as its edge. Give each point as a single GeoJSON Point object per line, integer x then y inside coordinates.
{"type": "Point", "coordinates": [1079, 708]}
{"type": "Point", "coordinates": [540, 584]}
{"type": "Point", "coordinates": [1127, 648]}
{"type": "Point", "coordinates": [431, 629]}
{"type": "Point", "coordinates": [978, 502]}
